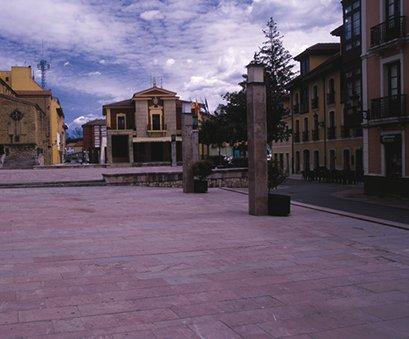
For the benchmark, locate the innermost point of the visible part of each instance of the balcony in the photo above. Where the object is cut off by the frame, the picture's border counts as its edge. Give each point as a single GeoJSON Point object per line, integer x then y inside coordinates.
{"type": "Point", "coordinates": [296, 109]}
{"type": "Point", "coordinates": [331, 133]}
{"type": "Point", "coordinates": [393, 28]}
{"type": "Point", "coordinates": [156, 131]}
{"type": "Point", "coordinates": [297, 137]}
{"type": "Point", "coordinates": [388, 107]}
{"type": "Point", "coordinates": [314, 103]}
{"type": "Point", "coordinates": [315, 134]}
{"type": "Point", "coordinates": [331, 98]}
{"type": "Point", "coordinates": [305, 136]}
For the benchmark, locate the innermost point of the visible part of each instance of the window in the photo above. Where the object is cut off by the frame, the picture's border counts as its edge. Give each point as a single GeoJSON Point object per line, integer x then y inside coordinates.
{"type": "Point", "coordinates": [305, 65]}
{"type": "Point", "coordinates": [331, 119]}
{"type": "Point", "coordinates": [121, 122]}
{"type": "Point", "coordinates": [394, 81]}
{"type": "Point", "coordinates": [392, 8]}
{"type": "Point", "coordinates": [297, 162]}
{"type": "Point", "coordinates": [156, 123]}
{"type": "Point", "coordinates": [356, 24]}
{"type": "Point", "coordinates": [316, 160]}
{"type": "Point", "coordinates": [316, 123]}
{"type": "Point", "coordinates": [331, 86]}
{"type": "Point", "coordinates": [332, 158]}
{"type": "Point", "coordinates": [347, 160]}
{"type": "Point", "coordinates": [305, 124]}
{"type": "Point", "coordinates": [393, 155]}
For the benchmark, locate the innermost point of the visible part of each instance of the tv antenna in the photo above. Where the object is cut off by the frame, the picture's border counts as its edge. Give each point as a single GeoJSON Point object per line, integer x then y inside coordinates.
{"type": "Point", "coordinates": [43, 66]}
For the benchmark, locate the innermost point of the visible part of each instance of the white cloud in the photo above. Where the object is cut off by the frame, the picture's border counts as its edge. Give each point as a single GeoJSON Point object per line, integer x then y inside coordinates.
{"type": "Point", "coordinates": [94, 73]}
{"type": "Point", "coordinates": [152, 15]}
{"type": "Point", "coordinates": [79, 121]}
{"type": "Point", "coordinates": [170, 62]}
{"type": "Point", "coordinates": [67, 63]}
{"type": "Point", "coordinates": [209, 43]}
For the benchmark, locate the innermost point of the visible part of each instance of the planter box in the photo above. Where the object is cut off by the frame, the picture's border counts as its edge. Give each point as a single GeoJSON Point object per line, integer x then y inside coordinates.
{"type": "Point", "coordinates": [200, 186]}
{"type": "Point", "coordinates": [279, 204]}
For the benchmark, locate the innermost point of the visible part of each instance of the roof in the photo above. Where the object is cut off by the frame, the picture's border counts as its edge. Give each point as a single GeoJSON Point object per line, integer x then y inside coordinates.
{"type": "Point", "coordinates": [155, 91]}
{"type": "Point", "coordinates": [34, 93]}
{"type": "Point", "coordinates": [331, 63]}
{"type": "Point", "coordinates": [338, 31]}
{"type": "Point", "coordinates": [320, 49]}
{"type": "Point", "coordinates": [95, 122]}
{"type": "Point", "coordinates": [122, 103]}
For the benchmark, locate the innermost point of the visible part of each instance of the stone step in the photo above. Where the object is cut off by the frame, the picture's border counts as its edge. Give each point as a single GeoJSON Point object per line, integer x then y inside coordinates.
{"type": "Point", "coordinates": [87, 183]}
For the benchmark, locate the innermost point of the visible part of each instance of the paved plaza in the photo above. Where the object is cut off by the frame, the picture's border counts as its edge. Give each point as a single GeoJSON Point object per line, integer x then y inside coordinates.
{"type": "Point", "coordinates": [155, 263]}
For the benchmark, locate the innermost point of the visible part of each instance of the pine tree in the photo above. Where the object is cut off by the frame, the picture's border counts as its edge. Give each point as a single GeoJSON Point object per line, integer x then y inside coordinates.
{"type": "Point", "coordinates": [279, 72]}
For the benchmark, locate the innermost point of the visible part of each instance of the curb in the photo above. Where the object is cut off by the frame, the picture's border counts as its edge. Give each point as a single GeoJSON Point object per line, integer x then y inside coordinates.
{"type": "Point", "coordinates": [340, 213]}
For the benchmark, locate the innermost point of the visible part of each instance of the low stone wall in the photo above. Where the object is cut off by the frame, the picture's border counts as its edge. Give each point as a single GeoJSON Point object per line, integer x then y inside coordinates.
{"type": "Point", "coordinates": [231, 177]}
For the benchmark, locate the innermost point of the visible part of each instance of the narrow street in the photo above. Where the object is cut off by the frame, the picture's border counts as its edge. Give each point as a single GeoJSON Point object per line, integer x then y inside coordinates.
{"type": "Point", "coordinates": [347, 198]}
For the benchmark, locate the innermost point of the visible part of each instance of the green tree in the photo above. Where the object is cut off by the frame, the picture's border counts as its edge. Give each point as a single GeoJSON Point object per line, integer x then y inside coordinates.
{"type": "Point", "coordinates": [232, 115]}
{"type": "Point", "coordinates": [212, 131]}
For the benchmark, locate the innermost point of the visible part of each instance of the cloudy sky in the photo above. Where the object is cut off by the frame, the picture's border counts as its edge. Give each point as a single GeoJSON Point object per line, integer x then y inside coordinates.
{"type": "Point", "coordinates": [105, 50]}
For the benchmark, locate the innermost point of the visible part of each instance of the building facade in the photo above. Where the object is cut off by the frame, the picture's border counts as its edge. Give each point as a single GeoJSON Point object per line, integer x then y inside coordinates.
{"type": "Point", "coordinates": [95, 140]}
{"type": "Point", "coordinates": [141, 129]}
{"type": "Point", "coordinates": [21, 80]}
{"type": "Point", "coordinates": [22, 130]}
{"type": "Point", "coordinates": [322, 136]}
{"type": "Point", "coordinates": [385, 66]}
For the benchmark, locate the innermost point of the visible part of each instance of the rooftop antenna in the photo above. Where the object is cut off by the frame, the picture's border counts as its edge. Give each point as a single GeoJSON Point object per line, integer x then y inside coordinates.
{"type": "Point", "coordinates": [43, 66]}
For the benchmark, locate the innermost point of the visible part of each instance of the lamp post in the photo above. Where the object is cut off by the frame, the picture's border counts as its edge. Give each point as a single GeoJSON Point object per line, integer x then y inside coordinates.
{"type": "Point", "coordinates": [257, 140]}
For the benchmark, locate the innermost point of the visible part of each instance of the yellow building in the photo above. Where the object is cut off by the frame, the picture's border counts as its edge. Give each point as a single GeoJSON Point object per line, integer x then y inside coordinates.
{"type": "Point", "coordinates": [322, 136]}
{"type": "Point", "coordinates": [21, 80]}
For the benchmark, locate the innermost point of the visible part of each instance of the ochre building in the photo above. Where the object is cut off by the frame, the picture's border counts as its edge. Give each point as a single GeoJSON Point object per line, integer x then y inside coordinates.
{"type": "Point", "coordinates": [21, 81]}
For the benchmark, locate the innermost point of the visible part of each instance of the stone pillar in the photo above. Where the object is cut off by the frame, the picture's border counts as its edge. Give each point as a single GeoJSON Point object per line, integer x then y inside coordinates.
{"type": "Point", "coordinates": [174, 151]}
{"type": "Point", "coordinates": [109, 148]}
{"type": "Point", "coordinates": [257, 140]}
{"type": "Point", "coordinates": [190, 149]}
{"type": "Point", "coordinates": [130, 148]}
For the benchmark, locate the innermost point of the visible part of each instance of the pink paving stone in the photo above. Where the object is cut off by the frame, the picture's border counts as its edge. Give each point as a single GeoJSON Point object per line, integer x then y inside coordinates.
{"type": "Point", "coordinates": [198, 266]}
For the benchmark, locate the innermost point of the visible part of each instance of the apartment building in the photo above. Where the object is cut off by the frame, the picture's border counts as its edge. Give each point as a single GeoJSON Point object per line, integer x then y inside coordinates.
{"type": "Point", "coordinates": [385, 66]}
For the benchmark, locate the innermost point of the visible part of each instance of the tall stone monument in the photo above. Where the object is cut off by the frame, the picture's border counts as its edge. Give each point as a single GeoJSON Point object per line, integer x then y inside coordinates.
{"type": "Point", "coordinates": [190, 147]}
{"type": "Point", "coordinates": [257, 140]}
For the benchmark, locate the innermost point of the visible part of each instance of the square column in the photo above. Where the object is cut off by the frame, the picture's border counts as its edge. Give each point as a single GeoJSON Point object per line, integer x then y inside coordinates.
{"type": "Point", "coordinates": [190, 147]}
{"type": "Point", "coordinates": [174, 151]}
{"type": "Point", "coordinates": [257, 140]}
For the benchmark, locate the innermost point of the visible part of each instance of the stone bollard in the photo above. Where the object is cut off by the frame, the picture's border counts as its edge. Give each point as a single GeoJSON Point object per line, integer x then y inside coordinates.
{"type": "Point", "coordinates": [257, 140]}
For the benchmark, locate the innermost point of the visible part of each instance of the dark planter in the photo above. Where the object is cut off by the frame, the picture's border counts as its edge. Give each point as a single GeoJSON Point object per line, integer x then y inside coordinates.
{"type": "Point", "coordinates": [279, 204]}
{"type": "Point", "coordinates": [200, 186]}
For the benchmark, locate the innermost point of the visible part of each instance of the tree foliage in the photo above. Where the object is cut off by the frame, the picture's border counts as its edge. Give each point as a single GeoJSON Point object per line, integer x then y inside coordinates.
{"type": "Point", "coordinates": [229, 124]}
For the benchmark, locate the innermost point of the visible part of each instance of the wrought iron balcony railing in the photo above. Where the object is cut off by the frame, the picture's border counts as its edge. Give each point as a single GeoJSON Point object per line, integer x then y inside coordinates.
{"type": "Point", "coordinates": [388, 107]}
{"type": "Point", "coordinates": [153, 128]}
{"type": "Point", "coordinates": [389, 30]}
{"type": "Point", "coordinates": [305, 136]}
{"type": "Point", "coordinates": [314, 103]}
{"type": "Point", "coordinates": [331, 132]}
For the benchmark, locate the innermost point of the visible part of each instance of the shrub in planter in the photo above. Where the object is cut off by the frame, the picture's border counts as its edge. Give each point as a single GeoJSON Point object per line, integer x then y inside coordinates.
{"type": "Point", "coordinates": [278, 204]}
{"type": "Point", "coordinates": [201, 170]}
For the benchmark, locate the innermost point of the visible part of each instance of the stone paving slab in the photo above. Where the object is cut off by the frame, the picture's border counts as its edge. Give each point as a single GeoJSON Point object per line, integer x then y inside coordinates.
{"type": "Point", "coordinates": [155, 263]}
